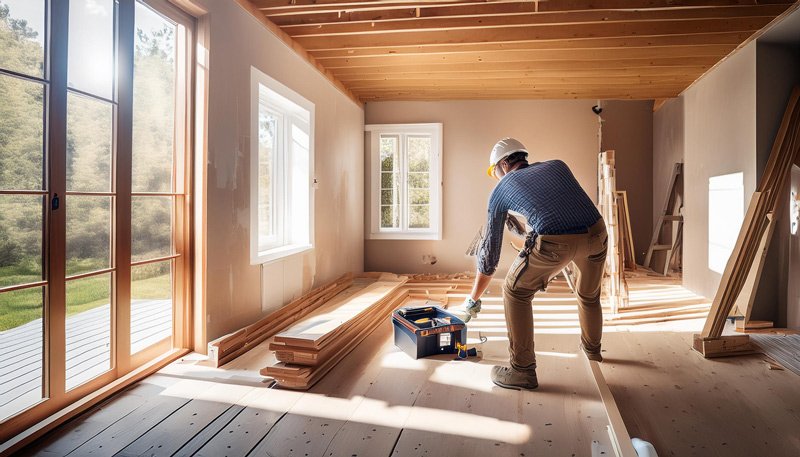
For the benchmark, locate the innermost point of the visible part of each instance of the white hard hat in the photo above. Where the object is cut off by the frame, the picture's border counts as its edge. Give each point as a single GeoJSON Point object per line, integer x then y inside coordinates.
{"type": "Point", "coordinates": [503, 149]}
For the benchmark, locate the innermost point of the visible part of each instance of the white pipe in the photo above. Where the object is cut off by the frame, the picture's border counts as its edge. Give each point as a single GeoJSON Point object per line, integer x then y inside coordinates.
{"type": "Point", "coordinates": [643, 448]}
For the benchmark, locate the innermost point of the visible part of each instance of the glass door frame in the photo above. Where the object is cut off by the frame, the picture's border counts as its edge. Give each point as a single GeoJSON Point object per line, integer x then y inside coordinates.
{"type": "Point", "coordinates": [55, 395]}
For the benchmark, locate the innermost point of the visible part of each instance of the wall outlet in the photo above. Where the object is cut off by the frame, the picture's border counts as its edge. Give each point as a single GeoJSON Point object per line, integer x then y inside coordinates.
{"type": "Point", "coordinates": [429, 259]}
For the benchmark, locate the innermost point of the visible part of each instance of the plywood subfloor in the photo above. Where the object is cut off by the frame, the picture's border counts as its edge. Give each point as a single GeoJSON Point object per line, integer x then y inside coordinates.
{"type": "Point", "coordinates": [377, 402]}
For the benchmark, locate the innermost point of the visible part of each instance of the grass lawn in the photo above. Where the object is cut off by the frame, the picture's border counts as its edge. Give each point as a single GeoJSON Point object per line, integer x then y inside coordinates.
{"type": "Point", "coordinates": [22, 306]}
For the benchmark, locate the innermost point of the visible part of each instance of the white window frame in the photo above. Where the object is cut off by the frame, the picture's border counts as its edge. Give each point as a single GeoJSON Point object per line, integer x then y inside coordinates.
{"type": "Point", "coordinates": [374, 231]}
{"type": "Point", "coordinates": [292, 235]}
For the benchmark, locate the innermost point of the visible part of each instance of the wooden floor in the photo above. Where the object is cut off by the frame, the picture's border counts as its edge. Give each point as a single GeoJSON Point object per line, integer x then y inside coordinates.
{"type": "Point", "coordinates": [379, 402]}
{"type": "Point", "coordinates": [88, 350]}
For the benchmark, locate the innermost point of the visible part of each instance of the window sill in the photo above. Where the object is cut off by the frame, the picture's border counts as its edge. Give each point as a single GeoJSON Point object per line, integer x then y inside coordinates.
{"type": "Point", "coordinates": [404, 236]}
{"type": "Point", "coordinates": [280, 253]}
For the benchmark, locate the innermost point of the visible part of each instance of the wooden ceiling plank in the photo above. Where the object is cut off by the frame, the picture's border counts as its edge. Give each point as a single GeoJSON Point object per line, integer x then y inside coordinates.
{"type": "Point", "coordinates": [297, 48]}
{"type": "Point", "coordinates": [705, 39]}
{"type": "Point", "coordinates": [687, 72]}
{"type": "Point", "coordinates": [518, 84]}
{"type": "Point", "coordinates": [432, 95]}
{"type": "Point", "coordinates": [575, 17]}
{"type": "Point", "coordinates": [278, 8]}
{"type": "Point", "coordinates": [535, 32]}
{"type": "Point", "coordinates": [545, 65]}
{"type": "Point", "coordinates": [532, 55]}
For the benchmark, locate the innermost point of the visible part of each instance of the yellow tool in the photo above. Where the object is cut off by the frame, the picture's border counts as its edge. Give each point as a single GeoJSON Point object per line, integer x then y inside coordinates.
{"type": "Point", "coordinates": [464, 351]}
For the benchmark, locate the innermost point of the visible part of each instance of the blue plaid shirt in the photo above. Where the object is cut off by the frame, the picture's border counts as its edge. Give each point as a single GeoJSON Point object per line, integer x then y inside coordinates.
{"type": "Point", "coordinates": [547, 195]}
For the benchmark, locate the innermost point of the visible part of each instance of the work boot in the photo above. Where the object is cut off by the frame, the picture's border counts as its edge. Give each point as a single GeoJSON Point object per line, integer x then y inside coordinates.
{"type": "Point", "coordinates": [511, 378]}
{"type": "Point", "coordinates": [471, 309]}
{"type": "Point", "coordinates": [592, 355]}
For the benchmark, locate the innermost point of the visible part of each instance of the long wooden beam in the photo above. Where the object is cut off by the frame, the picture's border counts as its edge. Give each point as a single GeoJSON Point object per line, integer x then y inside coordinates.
{"type": "Point", "coordinates": [654, 42]}
{"type": "Point", "coordinates": [535, 32]}
{"type": "Point", "coordinates": [461, 10]}
{"type": "Point", "coordinates": [299, 49]}
{"type": "Point", "coordinates": [554, 65]}
{"type": "Point", "coordinates": [510, 94]}
{"type": "Point", "coordinates": [551, 55]}
{"type": "Point", "coordinates": [287, 7]}
{"type": "Point", "coordinates": [422, 74]}
{"type": "Point", "coordinates": [573, 18]}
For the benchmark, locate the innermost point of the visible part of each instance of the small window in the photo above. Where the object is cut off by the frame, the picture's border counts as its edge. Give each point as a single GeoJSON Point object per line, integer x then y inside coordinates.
{"type": "Point", "coordinates": [725, 217]}
{"type": "Point", "coordinates": [282, 151]}
{"type": "Point", "coordinates": [405, 181]}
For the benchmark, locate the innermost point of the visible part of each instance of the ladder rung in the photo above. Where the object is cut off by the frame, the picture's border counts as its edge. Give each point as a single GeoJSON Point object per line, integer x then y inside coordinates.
{"type": "Point", "coordinates": [662, 247]}
{"type": "Point", "coordinates": [676, 217]}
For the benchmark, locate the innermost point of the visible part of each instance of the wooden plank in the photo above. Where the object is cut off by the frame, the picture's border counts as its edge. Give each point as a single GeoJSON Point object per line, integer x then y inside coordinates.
{"type": "Point", "coordinates": [571, 19]}
{"type": "Point", "coordinates": [506, 94]}
{"type": "Point", "coordinates": [116, 437]}
{"type": "Point", "coordinates": [205, 435]}
{"type": "Point", "coordinates": [282, 7]}
{"type": "Point", "coordinates": [535, 32]}
{"type": "Point", "coordinates": [656, 43]}
{"type": "Point", "coordinates": [769, 197]}
{"type": "Point", "coordinates": [621, 440]}
{"type": "Point", "coordinates": [297, 48]}
{"type": "Point", "coordinates": [723, 346]}
{"type": "Point", "coordinates": [313, 332]}
{"type": "Point", "coordinates": [209, 401]}
{"type": "Point", "coordinates": [527, 55]}
{"type": "Point", "coordinates": [746, 298]}
{"type": "Point", "coordinates": [432, 11]}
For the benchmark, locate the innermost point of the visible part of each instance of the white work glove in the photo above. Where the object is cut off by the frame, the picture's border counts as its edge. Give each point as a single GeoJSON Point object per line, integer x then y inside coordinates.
{"type": "Point", "coordinates": [470, 309]}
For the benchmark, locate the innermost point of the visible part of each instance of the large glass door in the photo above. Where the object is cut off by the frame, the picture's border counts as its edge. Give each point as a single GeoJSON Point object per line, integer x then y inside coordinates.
{"type": "Point", "coordinates": [23, 199]}
{"type": "Point", "coordinates": [94, 202]}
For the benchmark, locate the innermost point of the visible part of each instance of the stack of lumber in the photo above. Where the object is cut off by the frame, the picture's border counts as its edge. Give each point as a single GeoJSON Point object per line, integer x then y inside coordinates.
{"type": "Point", "coordinates": [625, 231]}
{"type": "Point", "coordinates": [228, 347]}
{"type": "Point", "coordinates": [310, 348]}
{"type": "Point", "coordinates": [609, 209]}
{"type": "Point", "coordinates": [747, 258]}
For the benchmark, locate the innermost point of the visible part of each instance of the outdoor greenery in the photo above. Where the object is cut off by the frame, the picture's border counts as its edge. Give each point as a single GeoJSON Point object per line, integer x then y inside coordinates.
{"type": "Point", "coordinates": [418, 152]}
{"type": "Point", "coordinates": [89, 169]}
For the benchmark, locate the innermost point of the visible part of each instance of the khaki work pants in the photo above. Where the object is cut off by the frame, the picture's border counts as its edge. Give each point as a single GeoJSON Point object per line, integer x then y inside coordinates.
{"type": "Point", "coordinates": [534, 269]}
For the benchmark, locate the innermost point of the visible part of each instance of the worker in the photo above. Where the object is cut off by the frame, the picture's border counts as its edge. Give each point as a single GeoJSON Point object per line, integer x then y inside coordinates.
{"type": "Point", "coordinates": [564, 227]}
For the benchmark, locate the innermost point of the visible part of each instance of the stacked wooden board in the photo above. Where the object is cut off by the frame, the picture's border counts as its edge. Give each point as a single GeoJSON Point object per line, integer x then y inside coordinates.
{"type": "Point", "coordinates": [609, 209]}
{"type": "Point", "coordinates": [228, 347]}
{"type": "Point", "coordinates": [310, 348]}
{"type": "Point", "coordinates": [765, 205]}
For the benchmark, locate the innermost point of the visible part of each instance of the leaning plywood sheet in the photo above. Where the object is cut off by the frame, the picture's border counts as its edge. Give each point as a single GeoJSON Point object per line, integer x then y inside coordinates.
{"type": "Point", "coordinates": [317, 330]}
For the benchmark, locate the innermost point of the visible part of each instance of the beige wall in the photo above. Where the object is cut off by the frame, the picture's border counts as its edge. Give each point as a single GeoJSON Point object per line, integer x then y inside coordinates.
{"type": "Point", "coordinates": [628, 130]}
{"type": "Point", "coordinates": [720, 138]}
{"type": "Point", "coordinates": [563, 129]}
{"type": "Point", "coordinates": [234, 287]}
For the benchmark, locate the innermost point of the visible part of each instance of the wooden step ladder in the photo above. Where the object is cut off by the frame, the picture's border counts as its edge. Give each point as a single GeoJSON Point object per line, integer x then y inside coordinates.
{"type": "Point", "coordinates": [670, 214]}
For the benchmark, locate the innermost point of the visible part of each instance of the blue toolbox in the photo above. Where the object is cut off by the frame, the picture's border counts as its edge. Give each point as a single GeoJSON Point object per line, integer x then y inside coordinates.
{"type": "Point", "coordinates": [421, 331]}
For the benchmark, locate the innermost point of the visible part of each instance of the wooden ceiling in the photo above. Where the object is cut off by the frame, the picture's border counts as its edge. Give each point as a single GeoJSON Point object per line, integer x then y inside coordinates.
{"type": "Point", "coordinates": [596, 49]}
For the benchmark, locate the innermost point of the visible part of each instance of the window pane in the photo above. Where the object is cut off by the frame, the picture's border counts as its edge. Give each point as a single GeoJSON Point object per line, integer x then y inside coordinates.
{"type": "Point", "coordinates": [21, 234]}
{"type": "Point", "coordinates": [390, 217]}
{"type": "Point", "coordinates": [89, 136]}
{"type": "Point", "coordinates": [151, 304]}
{"type": "Point", "coordinates": [88, 234]}
{"type": "Point", "coordinates": [419, 196]}
{"type": "Point", "coordinates": [151, 227]}
{"type": "Point", "coordinates": [21, 341]}
{"type": "Point", "coordinates": [22, 36]}
{"type": "Point", "coordinates": [154, 102]}
{"type": "Point", "coordinates": [419, 153]}
{"type": "Point", "coordinates": [389, 153]}
{"type": "Point", "coordinates": [91, 47]}
{"type": "Point", "coordinates": [21, 134]}
{"type": "Point", "coordinates": [88, 328]}
{"type": "Point", "coordinates": [268, 124]}
{"type": "Point", "coordinates": [418, 180]}
{"type": "Point", "coordinates": [419, 216]}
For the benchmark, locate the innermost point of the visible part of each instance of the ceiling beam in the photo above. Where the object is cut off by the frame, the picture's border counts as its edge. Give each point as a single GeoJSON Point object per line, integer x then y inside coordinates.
{"type": "Point", "coordinates": [523, 19]}
{"type": "Point", "coordinates": [715, 51]}
{"type": "Point", "coordinates": [297, 48]}
{"type": "Point", "coordinates": [678, 72]}
{"type": "Point", "coordinates": [288, 7]}
{"type": "Point", "coordinates": [535, 32]}
{"type": "Point", "coordinates": [704, 39]}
